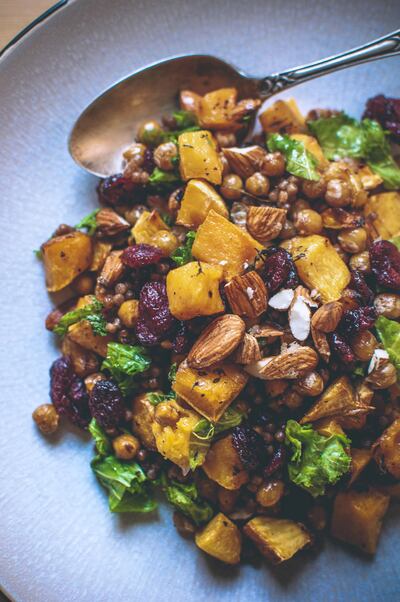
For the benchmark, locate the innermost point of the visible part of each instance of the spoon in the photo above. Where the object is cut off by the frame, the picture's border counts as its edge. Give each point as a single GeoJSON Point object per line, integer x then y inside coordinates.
{"type": "Point", "coordinates": [108, 125]}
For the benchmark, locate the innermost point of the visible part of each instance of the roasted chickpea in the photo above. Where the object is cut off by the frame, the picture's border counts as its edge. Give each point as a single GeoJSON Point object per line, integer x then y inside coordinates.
{"type": "Point", "coordinates": [273, 164]}
{"type": "Point", "coordinates": [150, 133]}
{"type": "Point", "coordinates": [308, 221]}
{"type": "Point", "coordinates": [128, 312]}
{"type": "Point", "coordinates": [270, 493]}
{"type": "Point", "coordinates": [297, 206]}
{"type": "Point", "coordinates": [292, 399]}
{"type": "Point", "coordinates": [165, 414]}
{"type": "Point", "coordinates": [232, 187]}
{"type": "Point", "coordinates": [388, 305]}
{"type": "Point", "coordinates": [383, 376]}
{"type": "Point", "coordinates": [174, 201]}
{"type": "Point", "coordinates": [165, 155]}
{"type": "Point", "coordinates": [225, 139]}
{"type": "Point", "coordinates": [349, 299]}
{"type": "Point", "coordinates": [126, 446]}
{"type": "Point", "coordinates": [225, 164]}
{"type": "Point", "coordinates": [132, 215]}
{"type": "Point", "coordinates": [353, 241]}
{"type": "Point", "coordinates": [314, 189]}
{"type": "Point", "coordinates": [361, 261]}
{"type": "Point", "coordinates": [288, 230]}
{"type": "Point", "coordinates": [84, 284]}
{"type": "Point", "coordinates": [92, 379]}
{"type": "Point", "coordinates": [274, 388]}
{"type": "Point", "coordinates": [338, 193]}
{"type": "Point", "coordinates": [227, 499]}
{"type": "Point", "coordinates": [166, 241]}
{"type": "Point", "coordinates": [257, 184]}
{"type": "Point", "coordinates": [364, 344]}
{"type": "Point", "coordinates": [46, 418]}
{"type": "Point", "coordinates": [135, 152]}
{"type": "Point", "coordinates": [311, 384]}
{"type": "Point", "coordinates": [136, 175]}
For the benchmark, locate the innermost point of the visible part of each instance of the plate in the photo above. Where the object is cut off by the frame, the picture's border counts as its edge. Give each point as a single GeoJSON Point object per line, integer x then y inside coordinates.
{"type": "Point", "coordinates": [58, 540]}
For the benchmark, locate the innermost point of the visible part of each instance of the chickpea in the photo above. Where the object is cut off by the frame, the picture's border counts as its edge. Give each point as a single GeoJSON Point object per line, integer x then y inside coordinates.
{"type": "Point", "coordinates": [165, 414]}
{"type": "Point", "coordinates": [166, 241]}
{"type": "Point", "coordinates": [46, 418]}
{"type": "Point", "coordinates": [84, 284]}
{"type": "Point", "coordinates": [388, 305]}
{"type": "Point", "coordinates": [92, 379]}
{"type": "Point", "coordinates": [128, 312]}
{"type": "Point", "coordinates": [349, 299]}
{"type": "Point", "coordinates": [232, 187]}
{"type": "Point", "coordinates": [225, 164]}
{"type": "Point", "coordinates": [338, 193]}
{"type": "Point", "coordinates": [364, 344]}
{"type": "Point", "coordinates": [361, 261]}
{"type": "Point", "coordinates": [353, 241]}
{"type": "Point", "coordinates": [227, 499]}
{"type": "Point", "coordinates": [274, 388]}
{"type": "Point", "coordinates": [273, 164]}
{"type": "Point", "coordinates": [297, 206]}
{"type": "Point", "coordinates": [317, 517]}
{"type": "Point", "coordinates": [383, 376]}
{"type": "Point", "coordinates": [165, 155]}
{"type": "Point", "coordinates": [270, 493]}
{"type": "Point", "coordinates": [132, 215]}
{"type": "Point", "coordinates": [314, 189]}
{"type": "Point", "coordinates": [257, 184]}
{"type": "Point", "coordinates": [150, 133]}
{"type": "Point", "coordinates": [137, 176]}
{"type": "Point", "coordinates": [174, 201]}
{"type": "Point", "coordinates": [288, 230]}
{"type": "Point", "coordinates": [135, 152]}
{"type": "Point", "coordinates": [225, 139]}
{"type": "Point", "coordinates": [308, 221]}
{"type": "Point", "coordinates": [126, 446]}
{"type": "Point", "coordinates": [292, 399]}
{"type": "Point", "coordinates": [311, 384]}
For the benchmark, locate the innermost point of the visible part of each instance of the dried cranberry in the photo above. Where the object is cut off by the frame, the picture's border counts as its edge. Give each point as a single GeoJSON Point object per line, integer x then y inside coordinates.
{"type": "Point", "coordinates": [278, 270]}
{"type": "Point", "coordinates": [115, 189]}
{"type": "Point", "coordinates": [155, 320]}
{"type": "Point", "coordinates": [140, 255]}
{"type": "Point", "coordinates": [276, 462]}
{"type": "Point", "coordinates": [385, 263]}
{"type": "Point", "coordinates": [106, 404]}
{"type": "Point", "coordinates": [249, 445]}
{"type": "Point", "coordinates": [68, 392]}
{"type": "Point", "coordinates": [359, 284]}
{"type": "Point", "coordinates": [357, 320]}
{"type": "Point", "coordinates": [342, 350]}
{"type": "Point", "coordinates": [180, 341]}
{"type": "Point", "coordinates": [385, 111]}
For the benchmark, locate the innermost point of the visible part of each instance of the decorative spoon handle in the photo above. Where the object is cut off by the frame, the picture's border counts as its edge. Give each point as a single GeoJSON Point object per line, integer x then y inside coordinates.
{"type": "Point", "coordinates": [386, 46]}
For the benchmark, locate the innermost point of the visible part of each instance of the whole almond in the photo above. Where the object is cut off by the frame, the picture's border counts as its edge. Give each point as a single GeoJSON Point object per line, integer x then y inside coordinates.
{"type": "Point", "coordinates": [109, 223]}
{"type": "Point", "coordinates": [217, 341]}
{"type": "Point", "coordinates": [291, 364]}
{"type": "Point", "coordinates": [266, 331]}
{"type": "Point", "coordinates": [265, 223]}
{"type": "Point", "coordinates": [244, 161]}
{"type": "Point", "coordinates": [248, 350]}
{"type": "Point", "coordinates": [247, 295]}
{"type": "Point", "coordinates": [113, 269]}
{"type": "Point", "coordinates": [327, 317]}
{"type": "Point", "coordinates": [321, 343]}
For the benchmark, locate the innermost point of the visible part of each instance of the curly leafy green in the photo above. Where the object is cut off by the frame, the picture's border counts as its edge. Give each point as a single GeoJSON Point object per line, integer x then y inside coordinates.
{"type": "Point", "coordinates": [124, 362]}
{"type": "Point", "coordinates": [389, 333]}
{"type": "Point", "coordinates": [162, 180]}
{"type": "Point", "coordinates": [183, 254]}
{"type": "Point", "coordinates": [172, 372]}
{"type": "Point", "coordinates": [89, 222]}
{"type": "Point", "coordinates": [129, 489]}
{"type": "Point", "coordinates": [316, 461]}
{"type": "Point", "coordinates": [91, 313]}
{"type": "Point", "coordinates": [156, 398]}
{"type": "Point", "coordinates": [299, 161]}
{"type": "Point", "coordinates": [185, 498]}
{"type": "Point", "coordinates": [38, 254]}
{"type": "Point", "coordinates": [101, 440]}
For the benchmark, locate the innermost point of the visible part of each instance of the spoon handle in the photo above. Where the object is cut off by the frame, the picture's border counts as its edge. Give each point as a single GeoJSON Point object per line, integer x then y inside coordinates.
{"type": "Point", "coordinates": [386, 46]}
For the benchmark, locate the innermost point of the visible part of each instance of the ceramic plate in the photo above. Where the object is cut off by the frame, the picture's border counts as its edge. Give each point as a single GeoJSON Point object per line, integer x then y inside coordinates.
{"type": "Point", "coordinates": [58, 541]}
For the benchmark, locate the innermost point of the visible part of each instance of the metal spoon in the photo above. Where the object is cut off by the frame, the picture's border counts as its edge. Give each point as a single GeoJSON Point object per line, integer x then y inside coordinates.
{"type": "Point", "coordinates": [108, 125]}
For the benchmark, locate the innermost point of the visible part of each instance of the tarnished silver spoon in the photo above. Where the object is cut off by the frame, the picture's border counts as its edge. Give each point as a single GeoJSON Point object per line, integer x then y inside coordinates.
{"type": "Point", "coordinates": [108, 125]}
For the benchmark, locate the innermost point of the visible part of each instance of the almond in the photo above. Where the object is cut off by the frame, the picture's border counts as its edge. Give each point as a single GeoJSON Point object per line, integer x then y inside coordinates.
{"type": "Point", "coordinates": [244, 161]}
{"type": "Point", "coordinates": [321, 343]}
{"type": "Point", "coordinates": [100, 251]}
{"type": "Point", "coordinates": [265, 223]}
{"type": "Point", "coordinates": [247, 295]}
{"type": "Point", "coordinates": [291, 364]}
{"type": "Point", "coordinates": [299, 318]}
{"type": "Point", "coordinates": [109, 223]}
{"type": "Point", "coordinates": [266, 331]}
{"type": "Point", "coordinates": [217, 341]}
{"type": "Point", "coordinates": [245, 107]}
{"type": "Point", "coordinates": [112, 270]}
{"type": "Point", "coordinates": [248, 350]}
{"type": "Point", "coordinates": [328, 316]}
{"type": "Point", "coordinates": [282, 300]}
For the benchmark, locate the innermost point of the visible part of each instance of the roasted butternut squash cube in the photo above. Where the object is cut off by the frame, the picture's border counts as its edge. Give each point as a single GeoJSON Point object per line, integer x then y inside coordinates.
{"type": "Point", "coordinates": [100, 251]}
{"type": "Point", "coordinates": [357, 518]}
{"type": "Point", "coordinates": [311, 144]}
{"type": "Point", "coordinates": [173, 441]}
{"type": "Point", "coordinates": [128, 312]}
{"type": "Point", "coordinates": [387, 449]}
{"type": "Point", "coordinates": [223, 465]}
{"type": "Point", "coordinates": [199, 157]}
{"type": "Point", "coordinates": [209, 390]}
{"type": "Point", "coordinates": [199, 198]}
{"type": "Point", "coordinates": [369, 179]}
{"type": "Point", "coordinates": [319, 265]}
{"type": "Point", "coordinates": [278, 539]}
{"type": "Point", "coordinates": [221, 539]}
{"type": "Point", "coordinates": [150, 229]}
{"type": "Point", "coordinates": [82, 333]}
{"type": "Point", "coordinates": [216, 108]}
{"type": "Point", "coordinates": [382, 213]}
{"type": "Point", "coordinates": [328, 427]}
{"type": "Point", "coordinates": [143, 420]}
{"type": "Point", "coordinates": [193, 290]}
{"type": "Point", "coordinates": [360, 459]}
{"type": "Point", "coordinates": [65, 257]}
{"type": "Point", "coordinates": [283, 116]}
{"type": "Point", "coordinates": [222, 243]}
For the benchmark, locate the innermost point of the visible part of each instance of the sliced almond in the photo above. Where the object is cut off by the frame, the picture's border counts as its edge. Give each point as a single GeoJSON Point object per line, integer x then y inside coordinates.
{"type": "Point", "coordinates": [328, 316]}
{"type": "Point", "coordinates": [282, 300]}
{"type": "Point", "coordinates": [109, 223]}
{"type": "Point", "coordinates": [379, 357]}
{"type": "Point", "coordinates": [265, 223]}
{"type": "Point", "coordinates": [291, 364]}
{"type": "Point", "coordinates": [299, 318]}
{"type": "Point", "coordinates": [217, 341]}
{"type": "Point", "coordinates": [245, 161]}
{"type": "Point", "coordinates": [321, 343]}
{"type": "Point", "coordinates": [112, 270]}
{"type": "Point", "coordinates": [247, 295]}
{"type": "Point", "coordinates": [248, 350]}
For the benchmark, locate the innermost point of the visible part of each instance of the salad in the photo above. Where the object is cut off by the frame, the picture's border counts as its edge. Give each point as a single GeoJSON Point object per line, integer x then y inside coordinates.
{"type": "Point", "coordinates": [231, 337]}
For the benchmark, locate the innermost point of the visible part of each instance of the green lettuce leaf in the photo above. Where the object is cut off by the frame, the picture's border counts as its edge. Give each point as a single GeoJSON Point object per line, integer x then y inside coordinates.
{"type": "Point", "coordinates": [185, 498]}
{"type": "Point", "coordinates": [101, 440]}
{"type": "Point", "coordinates": [129, 489]}
{"type": "Point", "coordinates": [91, 313]}
{"type": "Point", "coordinates": [172, 372]}
{"type": "Point", "coordinates": [183, 254]}
{"type": "Point", "coordinates": [156, 398]}
{"type": "Point", "coordinates": [316, 461]}
{"type": "Point", "coordinates": [89, 223]}
{"type": "Point", "coordinates": [299, 161]}
{"type": "Point", "coordinates": [389, 334]}
{"type": "Point", "coordinates": [163, 180]}
{"type": "Point", "coordinates": [124, 362]}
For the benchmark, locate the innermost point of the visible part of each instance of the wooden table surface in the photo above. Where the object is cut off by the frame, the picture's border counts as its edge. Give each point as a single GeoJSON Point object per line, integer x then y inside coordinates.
{"type": "Point", "coordinates": [16, 14]}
